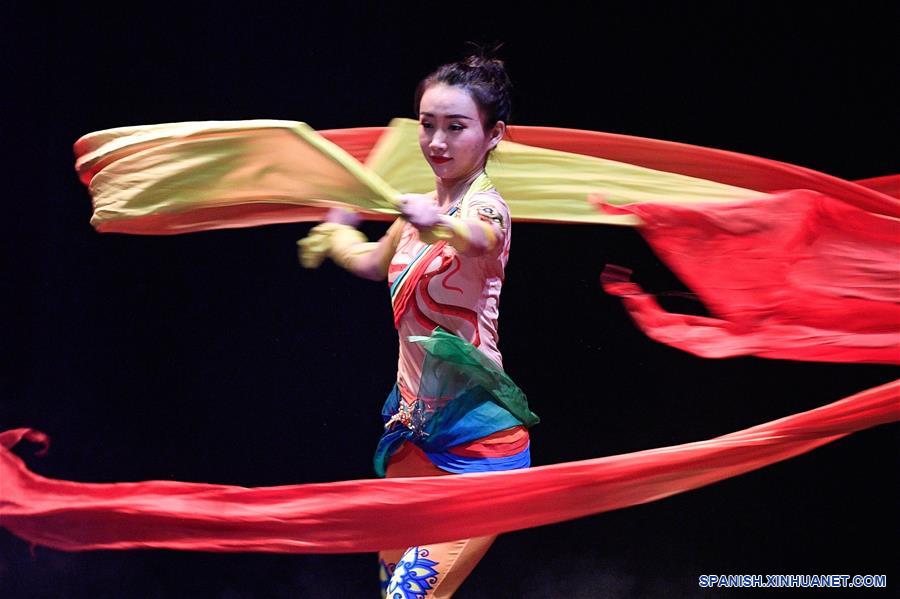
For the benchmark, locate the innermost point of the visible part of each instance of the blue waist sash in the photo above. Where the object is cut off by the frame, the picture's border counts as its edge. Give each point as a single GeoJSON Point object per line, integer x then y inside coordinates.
{"type": "Point", "coordinates": [472, 417]}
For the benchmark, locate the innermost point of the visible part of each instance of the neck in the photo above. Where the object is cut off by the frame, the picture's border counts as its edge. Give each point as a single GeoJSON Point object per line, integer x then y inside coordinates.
{"type": "Point", "coordinates": [448, 191]}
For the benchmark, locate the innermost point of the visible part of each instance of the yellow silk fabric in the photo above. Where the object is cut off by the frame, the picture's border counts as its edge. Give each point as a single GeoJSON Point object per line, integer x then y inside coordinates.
{"type": "Point", "coordinates": [139, 172]}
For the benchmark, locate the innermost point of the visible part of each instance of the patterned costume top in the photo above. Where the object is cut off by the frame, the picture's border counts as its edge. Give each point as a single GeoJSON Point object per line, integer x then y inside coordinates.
{"type": "Point", "coordinates": [456, 292]}
{"type": "Point", "coordinates": [452, 413]}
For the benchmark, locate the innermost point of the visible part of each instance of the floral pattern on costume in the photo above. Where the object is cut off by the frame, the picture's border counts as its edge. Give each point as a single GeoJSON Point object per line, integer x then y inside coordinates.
{"type": "Point", "coordinates": [385, 571]}
{"type": "Point", "coordinates": [413, 575]}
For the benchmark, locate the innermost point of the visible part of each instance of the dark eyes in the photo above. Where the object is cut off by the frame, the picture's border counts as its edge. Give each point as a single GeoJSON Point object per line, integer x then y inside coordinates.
{"type": "Point", "coordinates": [453, 127]}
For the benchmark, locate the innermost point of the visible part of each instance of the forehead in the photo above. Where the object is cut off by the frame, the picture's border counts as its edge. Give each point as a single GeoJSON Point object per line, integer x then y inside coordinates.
{"type": "Point", "coordinates": [442, 100]}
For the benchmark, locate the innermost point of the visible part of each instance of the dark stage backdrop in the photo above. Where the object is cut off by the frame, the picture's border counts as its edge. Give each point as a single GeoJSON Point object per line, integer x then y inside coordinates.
{"type": "Point", "coordinates": [214, 357]}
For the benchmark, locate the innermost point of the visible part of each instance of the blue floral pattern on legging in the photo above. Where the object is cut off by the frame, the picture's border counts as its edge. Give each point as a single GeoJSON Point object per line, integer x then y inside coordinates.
{"type": "Point", "coordinates": [413, 575]}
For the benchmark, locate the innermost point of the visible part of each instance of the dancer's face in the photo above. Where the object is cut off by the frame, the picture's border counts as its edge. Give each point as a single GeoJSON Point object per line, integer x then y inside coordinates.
{"type": "Point", "coordinates": [451, 132]}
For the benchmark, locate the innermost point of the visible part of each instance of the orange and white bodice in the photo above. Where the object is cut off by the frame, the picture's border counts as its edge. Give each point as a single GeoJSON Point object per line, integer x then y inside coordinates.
{"type": "Point", "coordinates": [459, 293]}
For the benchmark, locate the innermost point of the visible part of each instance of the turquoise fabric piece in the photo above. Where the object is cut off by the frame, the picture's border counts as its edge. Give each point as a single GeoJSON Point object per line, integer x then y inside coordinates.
{"type": "Point", "coordinates": [451, 363]}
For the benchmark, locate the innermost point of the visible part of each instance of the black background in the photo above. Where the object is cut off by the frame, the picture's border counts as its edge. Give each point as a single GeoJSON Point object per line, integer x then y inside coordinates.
{"type": "Point", "coordinates": [213, 357]}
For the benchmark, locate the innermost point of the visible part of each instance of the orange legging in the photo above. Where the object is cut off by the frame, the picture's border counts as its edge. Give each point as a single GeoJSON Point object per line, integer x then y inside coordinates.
{"type": "Point", "coordinates": [432, 571]}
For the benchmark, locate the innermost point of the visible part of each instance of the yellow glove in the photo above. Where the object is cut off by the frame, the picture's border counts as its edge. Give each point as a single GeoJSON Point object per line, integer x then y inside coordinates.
{"type": "Point", "coordinates": [342, 243]}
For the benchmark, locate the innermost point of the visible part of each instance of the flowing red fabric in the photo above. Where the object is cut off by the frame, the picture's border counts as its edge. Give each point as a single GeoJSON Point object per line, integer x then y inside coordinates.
{"type": "Point", "coordinates": [367, 515]}
{"type": "Point", "coordinates": [888, 185]}
{"type": "Point", "coordinates": [801, 276]}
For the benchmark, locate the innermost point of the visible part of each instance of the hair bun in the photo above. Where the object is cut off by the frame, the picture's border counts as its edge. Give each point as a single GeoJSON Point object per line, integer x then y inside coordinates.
{"type": "Point", "coordinates": [485, 51]}
{"type": "Point", "coordinates": [483, 75]}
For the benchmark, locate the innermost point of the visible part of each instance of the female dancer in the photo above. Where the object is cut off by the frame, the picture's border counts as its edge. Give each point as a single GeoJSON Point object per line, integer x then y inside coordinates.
{"type": "Point", "coordinates": [453, 410]}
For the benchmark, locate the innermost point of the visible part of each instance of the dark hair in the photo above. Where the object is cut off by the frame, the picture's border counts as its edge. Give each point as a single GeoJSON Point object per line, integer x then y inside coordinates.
{"type": "Point", "coordinates": [483, 76]}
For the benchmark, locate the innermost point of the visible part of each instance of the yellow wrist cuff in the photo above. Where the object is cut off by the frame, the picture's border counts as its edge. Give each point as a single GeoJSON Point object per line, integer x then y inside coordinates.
{"type": "Point", "coordinates": [341, 242]}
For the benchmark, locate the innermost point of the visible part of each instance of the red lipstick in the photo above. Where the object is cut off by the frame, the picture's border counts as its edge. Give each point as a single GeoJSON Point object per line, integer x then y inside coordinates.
{"type": "Point", "coordinates": [440, 159]}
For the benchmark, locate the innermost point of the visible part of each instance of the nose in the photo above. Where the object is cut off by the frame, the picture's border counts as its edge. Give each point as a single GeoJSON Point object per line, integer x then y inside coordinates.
{"type": "Point", "coordinates": [438, 142]}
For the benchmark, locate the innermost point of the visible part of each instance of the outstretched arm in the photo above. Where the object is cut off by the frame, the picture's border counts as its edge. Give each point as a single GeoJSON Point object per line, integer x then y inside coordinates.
{"type": "Point", "coordinates": [347, 247]}
{"type": "Point", "coordinates": [369, 260]}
